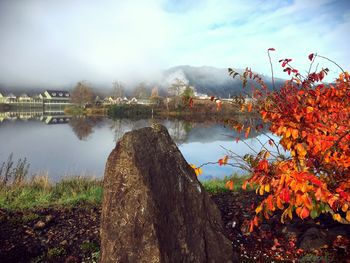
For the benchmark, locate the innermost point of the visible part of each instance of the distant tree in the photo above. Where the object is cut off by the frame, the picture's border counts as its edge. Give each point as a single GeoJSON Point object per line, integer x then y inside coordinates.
{"type": "Point", "coordinates": [176, 90]}
{"type": "Point", "coordinates": [141, 92]}
{"type": "Point", "coordinates": [154, 92]}
{"type": "Point", "coordinates": [155, 98]}
{"type": "Point", "coordinates": [82, 94]}
{"type": "Point", "coordinates": [187, 94]}
{"type": "Point", "coordinates": [118, 89]}
{"type": "Point", "coordinates": [177, 87]}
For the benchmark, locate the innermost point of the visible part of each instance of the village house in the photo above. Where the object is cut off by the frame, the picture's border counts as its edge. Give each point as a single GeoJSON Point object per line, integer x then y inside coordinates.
{"type": "Point", "coordinates": [133, 101]}
{"type": "Point", "coordinates": [24, 98]}
{"type": "Point", "coordinates": [110, 101]}
{"type": "Point", "coordinates": [10, 98]}
{"type": "Point", "coordinates": [2, 98]}
{"type": "Point", "coordinates": [144, 102]}
{"type": "Point", "coordinates": [55, 97]}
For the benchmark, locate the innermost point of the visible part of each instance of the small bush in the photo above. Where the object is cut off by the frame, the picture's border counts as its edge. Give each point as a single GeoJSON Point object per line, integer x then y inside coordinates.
{"type": "Point", "coordinates": [57, 252]}
{"type": "Point", "coordinates": [129, 111]}
{"type": "Point", "coordinates": [89, 247]}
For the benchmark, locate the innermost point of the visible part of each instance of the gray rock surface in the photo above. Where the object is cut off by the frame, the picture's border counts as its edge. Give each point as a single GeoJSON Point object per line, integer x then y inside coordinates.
{"type": "Point", "coordinates": [154, 208]}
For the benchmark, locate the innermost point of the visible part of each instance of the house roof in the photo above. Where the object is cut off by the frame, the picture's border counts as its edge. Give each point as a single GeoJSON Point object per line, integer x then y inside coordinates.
{"type": "Point", "coordinates": [58, 93]}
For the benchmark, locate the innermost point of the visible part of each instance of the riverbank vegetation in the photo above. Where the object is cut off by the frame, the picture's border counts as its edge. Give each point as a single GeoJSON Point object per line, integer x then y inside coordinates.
{"type": "Point", "coordinates": [72, 191]}
{"type": "Point", "coordinates": [39, 192]}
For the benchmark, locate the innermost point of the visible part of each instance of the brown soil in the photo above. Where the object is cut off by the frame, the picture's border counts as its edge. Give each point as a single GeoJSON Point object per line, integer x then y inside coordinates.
{"type": "Point", "coordinates": [72, 234]}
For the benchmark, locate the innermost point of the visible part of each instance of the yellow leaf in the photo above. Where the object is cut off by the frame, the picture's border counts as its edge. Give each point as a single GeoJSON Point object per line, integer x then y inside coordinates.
{"type": "Point", "coordinates": [266, 154]}
{"type": "Point", "coordinates": [337, 217]}
{"type": "Point", "coordinates": [267, 188]}
{"type": "Point", "coordinates": [290, 213]}
{"type": "Point", "coordinates": [288, 133]}
{"type": "Point", "coordinates": [286, 212]}
{"type": "Point", "coordinates": [261, 190]}
{"type": "Point", "coordinates": [258, 209]}
{"type": "Point", "coordinates": [309, 109]}
{"type": "Point", "coordinates": [348, 215]}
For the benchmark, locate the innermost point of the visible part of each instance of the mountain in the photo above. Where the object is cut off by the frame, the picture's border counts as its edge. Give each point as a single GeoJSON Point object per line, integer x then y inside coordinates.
{"type": "Point", "coordinates": [207, 80]}
{"type": "Point", "coordinates": [211, 80]}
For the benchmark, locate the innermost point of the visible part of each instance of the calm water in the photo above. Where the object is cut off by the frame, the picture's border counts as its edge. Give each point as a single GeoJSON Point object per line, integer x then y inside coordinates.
{"type": "Point", "coordinates": [75, 146]}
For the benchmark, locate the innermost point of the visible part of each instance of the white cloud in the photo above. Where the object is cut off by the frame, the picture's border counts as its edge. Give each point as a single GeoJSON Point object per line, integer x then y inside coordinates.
{"type": "Point", "coordinates": [62, 42]}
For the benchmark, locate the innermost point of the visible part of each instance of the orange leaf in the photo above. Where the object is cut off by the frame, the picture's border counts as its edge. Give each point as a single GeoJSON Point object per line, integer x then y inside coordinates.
{"type": "Point", "coordinates": [295, 134]}
{"type": "Point", "coordinates": [300, 148]}
{"type": "Point", "coordinates": [318, 194]}
{"type": "Point", "coordinates": [247, 132]}
{"type": "Point", "coordinates": [337, 217]}
{"type": "Point", "coordinates": [244, 185]}
{"type": "Point", "coordinates": [304, 213]}
{"type": "Point", "coordinates": [279, 203]}
{"type": "Point", "coordinates": [249, 107]}
{"type": "Point", "coordinates": [270, 205]}
{"type": "Point", "coordinates": [345, 207]}
{"type": "Point", "coordinates": [229, 185]}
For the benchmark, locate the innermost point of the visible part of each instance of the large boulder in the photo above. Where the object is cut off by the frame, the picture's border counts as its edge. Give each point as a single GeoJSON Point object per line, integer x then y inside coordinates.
{"type": "Point", "coordinates": [154, 208]}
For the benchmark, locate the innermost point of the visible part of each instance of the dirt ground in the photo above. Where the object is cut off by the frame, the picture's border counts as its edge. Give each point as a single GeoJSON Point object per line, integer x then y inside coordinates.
{"type": "Point", "coordinates": [72, 235]}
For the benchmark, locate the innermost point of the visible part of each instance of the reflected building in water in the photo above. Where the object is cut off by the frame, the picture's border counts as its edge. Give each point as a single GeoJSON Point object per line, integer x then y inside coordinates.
{"type": "Point", "coordinates": [52, 116]}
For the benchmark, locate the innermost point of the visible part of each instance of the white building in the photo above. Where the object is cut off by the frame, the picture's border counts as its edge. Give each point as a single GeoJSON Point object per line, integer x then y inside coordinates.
{"type": "Point", "coordinates": [55, 97]}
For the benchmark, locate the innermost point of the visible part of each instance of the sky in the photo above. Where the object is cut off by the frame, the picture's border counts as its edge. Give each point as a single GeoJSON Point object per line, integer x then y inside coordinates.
{"type": "Point", "coordinates": [57, 43]}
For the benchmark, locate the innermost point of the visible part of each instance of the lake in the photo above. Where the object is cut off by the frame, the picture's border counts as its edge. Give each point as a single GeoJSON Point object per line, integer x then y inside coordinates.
{"type": "Point", "coordinates": [61, 146]}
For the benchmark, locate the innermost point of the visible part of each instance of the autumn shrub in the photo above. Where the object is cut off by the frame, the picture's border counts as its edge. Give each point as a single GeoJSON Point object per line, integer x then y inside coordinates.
{"type": "Point", "coordinates": [312, 120]}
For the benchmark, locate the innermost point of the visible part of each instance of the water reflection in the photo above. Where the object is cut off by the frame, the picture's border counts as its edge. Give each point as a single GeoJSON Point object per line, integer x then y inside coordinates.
{"type": "Point", "coordinates": [65, 145]}
{"type": "Point", "coordinates": [84, 126]}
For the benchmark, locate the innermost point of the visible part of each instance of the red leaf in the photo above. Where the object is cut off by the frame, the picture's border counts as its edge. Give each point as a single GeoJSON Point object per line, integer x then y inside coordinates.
{"type": "Point", "coordinates": [271, 142]}
{"type": "Point", "coordinates": [271, 49]}
{"type": "Point", "coordinates": [311, 56]}
{"type": "Point", "coordinates": [284, 195]}
{"type": "Point", "coordinates": [284, 63]}
{"type": "Point", "coordinates": [191, 103]}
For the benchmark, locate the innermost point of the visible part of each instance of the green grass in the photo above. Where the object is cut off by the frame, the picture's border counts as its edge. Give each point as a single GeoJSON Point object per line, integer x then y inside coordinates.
{"type": "Point", "coordinates": [71, 191]}
{"type": "Point", "coordinates": [39, 192]}
{"type": "Point", "coordinates": [215, 186]}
